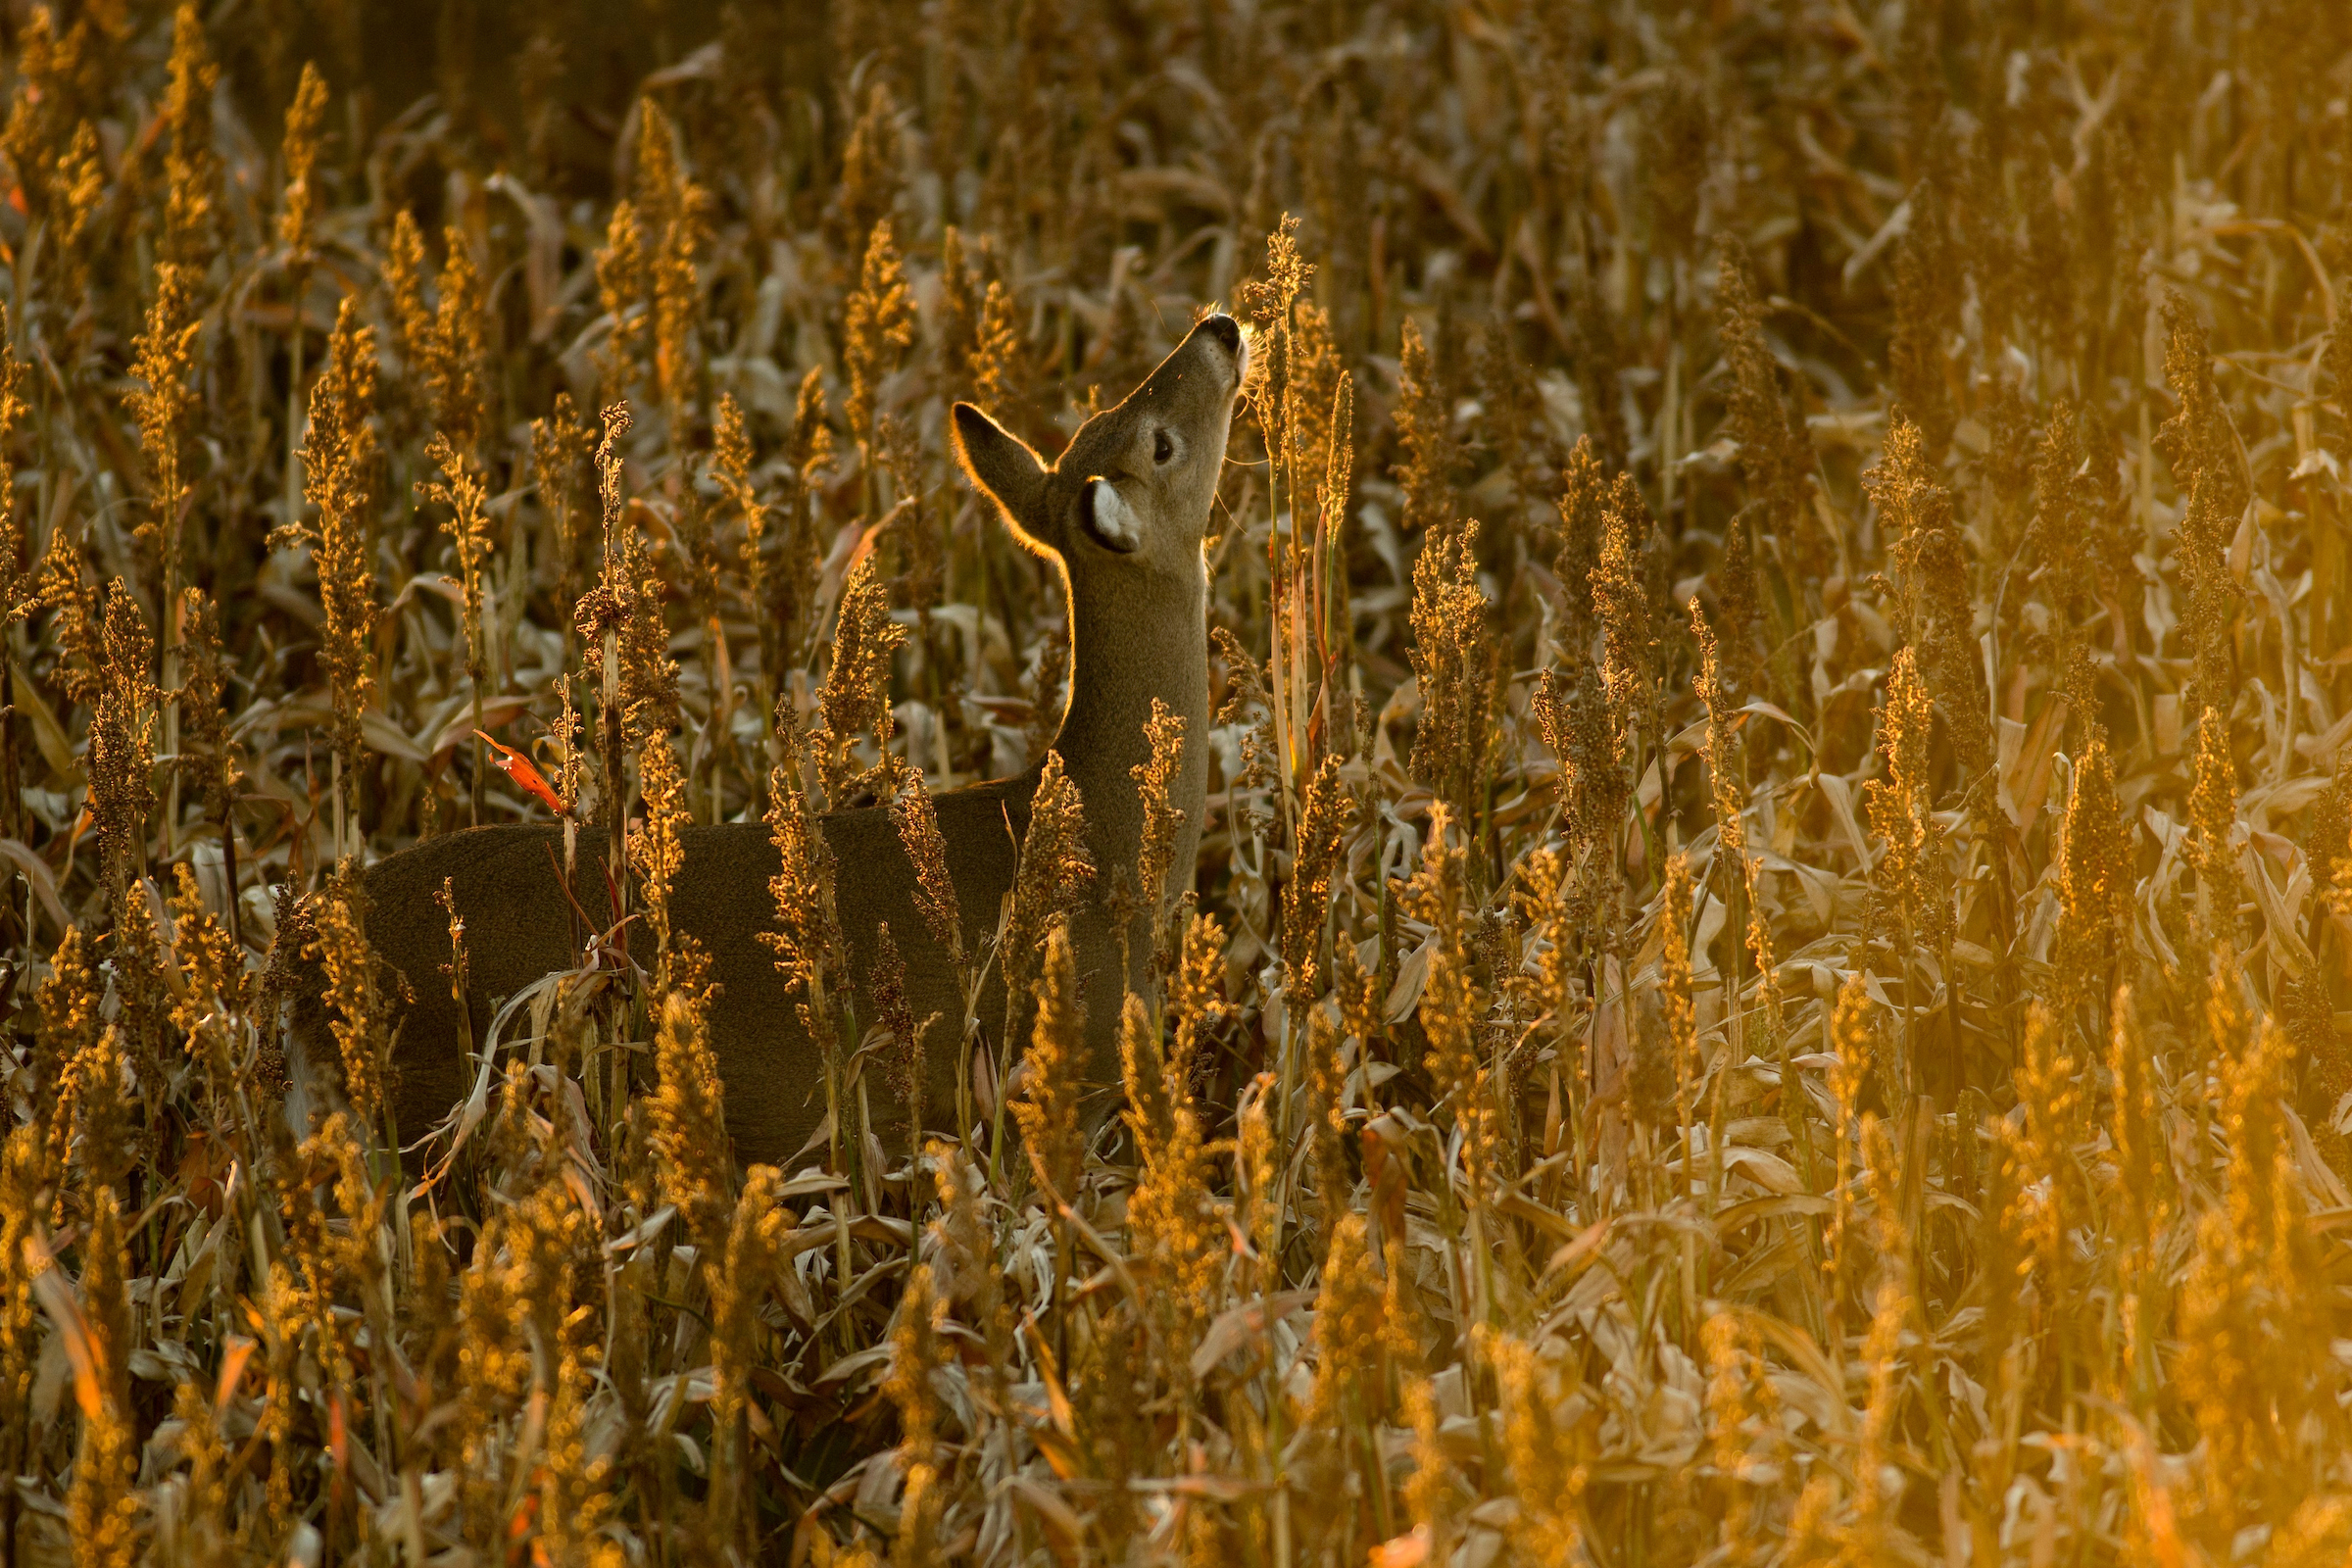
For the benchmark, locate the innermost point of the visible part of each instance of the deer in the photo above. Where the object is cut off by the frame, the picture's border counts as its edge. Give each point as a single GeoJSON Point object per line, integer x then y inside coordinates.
{"type": "Point", "coordinates": [1122, 516]}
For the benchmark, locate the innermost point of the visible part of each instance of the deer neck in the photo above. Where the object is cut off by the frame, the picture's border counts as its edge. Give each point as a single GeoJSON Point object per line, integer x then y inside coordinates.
{"type": "Point", "coordinates": [1147, 640]}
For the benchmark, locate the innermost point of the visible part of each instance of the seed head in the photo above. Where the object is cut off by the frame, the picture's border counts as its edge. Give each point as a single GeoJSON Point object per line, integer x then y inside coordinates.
{"type": "Point", "coordinates": [1545, 1462]}
{"type": "Point", "coordinates": [162, 359]}
{"type": "Point", "coordinates": [657, 846]}
{"type": "Point", "coordinates": [1455, 658]}
{"type": "Point", "coordinates": [2136, 1129]}
{"type": "Point", "coordinates": [731, 459]}
{"type": "Point", "coordinates": [906, 1062]}
{"type": "Point", "coordinates": [404, 284]}
{"type": "Point", "coordinates": [1047, 1116]}
{"type": "Point", "coordinates": [23, 1211]}
{"type": "Point", "coordinates": [880, 319]}
{"type": "Point", "coordinates": [1425, 430]}
{"type": "Point", "coordinates": [300, 152]}
{"type": "Point", "coordinates": [1724, 781]}
{"type": "Point", "coordinates": [1327, 1102]}
{"type": "Point", "coordinates": [339, 469]}
{"type": "Point", "coordinates": [1622, 603]}
{"type": "Point", "coordinates": [1928, 302]}
{"type": "Point", "coordinates": [739, 1289]}
{"type": "Point", "coordinates": [65, 77]}
{"type": "Point", "coordinates": [1584, 528]}
{"type": "Point", "coordinates": [687, 1125]}
{"type": "Point", "coordinates": [871, 172]}
{"type": "Point", "coordinates": [2096, 882]}
{"type": "Point", "coordinates": [1172, 1221]}
{"type": "Point", "coordinates": [1326, 811]}
{"type": "Point", "coordinates": [916, 1355]}
{"type": "Point", "coordinates": [807, 940]}
{"type": "Point", "coordinates": [1000, 379]}
{"type": "Point", "coordinates": [791, 590]}
{"type": "Point", "coordinates": [1195, 994]}
{"type": "Point", "coordinates": [1451, 1003]}
{"type": "Point", "coordinates": [467, 526]}
{"type": "Point", "coordinates": [1055, 871]}
{"type": "Point", "coordinates": [1350, 1331]}
{"type": "Point", "coordinates": [626, 598]}
{"type": "Point", "coordinates": [362, 1017]}
{"type": "Point", "coordinates": [191, 167]}
{"type": "Point", "coordinates": [917, 820]}
{"type": "Point", "coordinates": [456, 363]}
{"type": "Point", "coordinates": [1674, 981]}
{"type": "Point", "coordinates": [103, 1507]}
{"type": "Point", "coordinates": [1155, 782]}
{"type": "Point", "coordinates": [2212, 814]}
{"type": "Point", "coordinates": [1775, 455]}
{"type": "Point", "coordinates": [960, 292]}
{"type": "Point", "coordinates": [857, 693]}
{"type": "Point", "coordinates": [1267, 302]}
{"type": "Point", "coordinates": [1318, 393]}
{"type": "Point", "coordinates": [678, 211]}
{"type": "Point", "coordinates": [1257, 1205]}
{"type": "Point", "coordinates": [1851, 1036]}
{"type": "Point", "coordinates": [624, 277]}
{"type": "Point", "coordinates": [2054, 1122]}
{"type": "Point", "coordinates": [1932, 564]}
{"type": "Point", "coordinates": [121, 751]}
{"type": "Point", "coordinates": [18, 595]}
{"type": "Point", "coordinates": [561, 447]}
{"type": "Point", "coordinates": [1911, 879]}
{"type": "Point", "coordinates": [1433, 1494]}
{"type": "Point", "coordinates": [2202, 448]}
{"type": "Point", "coordinates": [207, 751]}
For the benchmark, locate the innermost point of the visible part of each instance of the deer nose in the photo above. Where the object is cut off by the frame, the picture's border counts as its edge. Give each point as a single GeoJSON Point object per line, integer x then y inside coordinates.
{"type": "Point", "coordinates": [1225, 329]}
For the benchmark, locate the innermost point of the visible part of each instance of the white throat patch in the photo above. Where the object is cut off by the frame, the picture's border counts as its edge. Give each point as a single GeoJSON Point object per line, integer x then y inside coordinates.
{"type": "Point", "coordinates": [1115, 519]}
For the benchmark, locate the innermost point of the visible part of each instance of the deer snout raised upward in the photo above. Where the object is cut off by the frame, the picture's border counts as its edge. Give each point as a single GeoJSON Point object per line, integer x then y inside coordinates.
{"type": "Point", "coordinates": [1122, 514]}
{"type": "Point", "coordinates": [1137, 481]}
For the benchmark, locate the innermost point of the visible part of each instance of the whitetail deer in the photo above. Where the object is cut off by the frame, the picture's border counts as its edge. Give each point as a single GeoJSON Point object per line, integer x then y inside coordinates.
{"type": "Point", "coordinates": [1123, 512]}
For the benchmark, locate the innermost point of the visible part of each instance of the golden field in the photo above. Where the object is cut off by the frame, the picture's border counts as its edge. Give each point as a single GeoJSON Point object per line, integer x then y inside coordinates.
{"type": "Point", "coordinates": [1766, 978]}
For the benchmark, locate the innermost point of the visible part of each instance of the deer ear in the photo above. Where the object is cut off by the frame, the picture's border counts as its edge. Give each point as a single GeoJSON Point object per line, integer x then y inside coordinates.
{"type": "Point", "coordinates": [1002, 468]}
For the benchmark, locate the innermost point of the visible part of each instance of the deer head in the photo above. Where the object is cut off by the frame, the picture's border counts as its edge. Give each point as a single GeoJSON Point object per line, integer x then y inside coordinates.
{"type": "Point", "coordinates": [1129, 498]}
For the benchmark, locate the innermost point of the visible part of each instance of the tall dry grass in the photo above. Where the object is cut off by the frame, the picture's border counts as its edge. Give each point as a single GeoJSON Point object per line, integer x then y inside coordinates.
{"type": "Point", "coordinates": [1763, 980]}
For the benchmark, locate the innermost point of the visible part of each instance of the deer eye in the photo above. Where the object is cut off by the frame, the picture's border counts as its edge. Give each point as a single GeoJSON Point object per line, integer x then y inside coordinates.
{"type": "Point", "coordinates": [1163, 446]}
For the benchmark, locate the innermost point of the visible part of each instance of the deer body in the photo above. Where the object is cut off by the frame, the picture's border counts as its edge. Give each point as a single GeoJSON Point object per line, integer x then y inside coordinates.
{"type": "Point", "coordinates": [1123, 512]}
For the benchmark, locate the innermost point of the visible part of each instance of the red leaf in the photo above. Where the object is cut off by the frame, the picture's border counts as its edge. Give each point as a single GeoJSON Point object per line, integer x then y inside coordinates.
{"type": "Point", "coordinates": [338, 1439]}
{"type": "Point", "coordinates": [520, 768]}
{"type": "Point", "coordinates": [232, 1369]}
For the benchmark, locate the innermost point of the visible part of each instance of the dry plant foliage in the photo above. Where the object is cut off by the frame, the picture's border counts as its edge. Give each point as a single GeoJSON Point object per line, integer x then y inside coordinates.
{"type": "Point", "coordinates": [1763, 981]}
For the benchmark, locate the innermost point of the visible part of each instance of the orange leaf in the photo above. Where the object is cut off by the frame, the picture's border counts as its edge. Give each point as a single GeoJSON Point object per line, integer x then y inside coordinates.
{"type": "Point", "coordinates": [56, 1295]}
{"type": "Point", "coordinates": [521, 769]}
{"type": "Point", "coordinates": [338, 1438]}
{"type": "Point", "coordinates": [1405, 1551]}
{"type": "Point", "coordinates": [232, 1369]}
